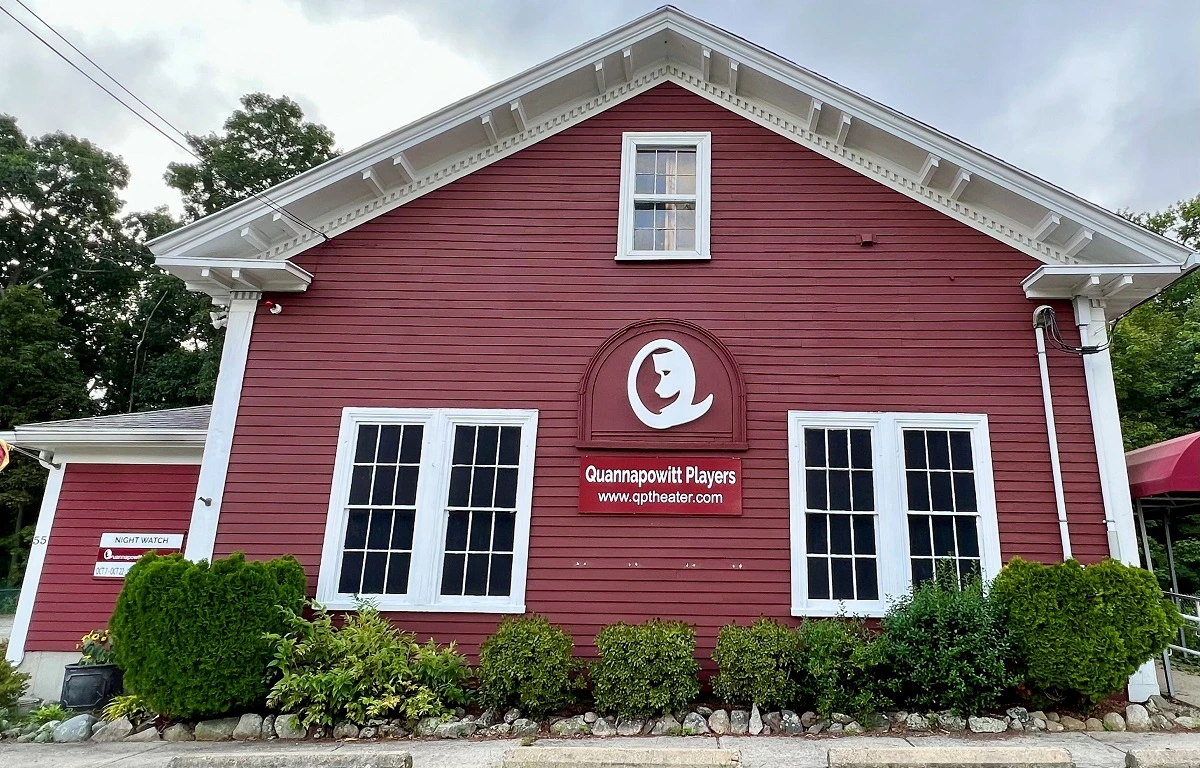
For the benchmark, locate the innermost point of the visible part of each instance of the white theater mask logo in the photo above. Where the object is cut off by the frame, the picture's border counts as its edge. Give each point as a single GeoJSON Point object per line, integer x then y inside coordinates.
{"type": "Point", "coordinates": [677, 378]}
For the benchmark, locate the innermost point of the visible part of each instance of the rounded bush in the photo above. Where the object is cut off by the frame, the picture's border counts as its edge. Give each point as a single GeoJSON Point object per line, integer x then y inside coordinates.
{"type": "Point", "coordinates": [1080, 631]}
{"type": "Point", "coordinates": [528, 663]}
{"type": "Point", "coordinates": [189, 637]}
{"type": "Point", "coordinates": [947, 649]}
{"type": "Point", "coordinates": [757, 664]}
{"type": "Point", "coordinates": [843, 668]}
{"type": "Point", "coordinates": [645, 669]}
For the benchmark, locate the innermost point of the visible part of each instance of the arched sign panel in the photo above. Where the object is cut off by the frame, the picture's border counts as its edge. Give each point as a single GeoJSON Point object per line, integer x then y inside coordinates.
{"type": "Point", "coordinates": [654, 389]}
{"type": "Point", "coordinates": [661, 385]}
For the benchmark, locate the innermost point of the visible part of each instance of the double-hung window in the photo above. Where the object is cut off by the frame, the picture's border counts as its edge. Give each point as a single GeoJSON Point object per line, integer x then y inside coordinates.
{"type": "Point", "coordinates": [664, 205]}
{"type": "Point", "coordinates": [881, 501]}
{"type": "Point", "coordinates": [430, 510]}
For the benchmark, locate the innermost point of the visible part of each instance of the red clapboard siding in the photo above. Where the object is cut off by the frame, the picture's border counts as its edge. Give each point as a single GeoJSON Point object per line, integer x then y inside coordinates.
{"type": "Point", "coordinates": [495, 290]}
{"type": "Point", "coordinates": [95, 499]}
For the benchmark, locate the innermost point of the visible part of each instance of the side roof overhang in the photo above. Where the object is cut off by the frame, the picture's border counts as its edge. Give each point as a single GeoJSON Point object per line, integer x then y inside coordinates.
{"type": "Point", "coordinates": [169, 436]}
{"type": "Point", "coordinates": [1171, 467]}
{"type": "Point", "coordinates": [240, 247]}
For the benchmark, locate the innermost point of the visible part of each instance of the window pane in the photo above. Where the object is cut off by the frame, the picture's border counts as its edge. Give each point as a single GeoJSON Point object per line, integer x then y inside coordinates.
{"type": "Point", "coordinates": [643, 239]}
{"type": "Point", "coordinates": [960, 450]}
{"type": "Point", "coordinates": [410, 447]}
{"type": "Point", "coordinates": [643, 216]}
{"type": "Point", "coordinates": [687, 162]}
{"type": "Point", "coordinates": [939, 449]}
{"type": "Point", "coordinates": [685, 240]}
{"type": "Point", "coordinates": [815, 490]}
{"type": "Point", "coordinates": [351, 576]}
{"type": "Point", "coordinates": [644, 161]}
{"type": "Point", "coordinates": [406, 486]}
{"type": "Point", "coordinates": [968, 571]}
{"type": "Point", "coordinates": [919, 542]}
{"type": "Point", "coordinates": [485, 445]}
{"type": "Point", "coordinates": [839, 489]}
{"type": "Point", "coordinates": [373, 573]}
{"type": "Point", "coordinates": [360, 485]}
{"type": "Point", "coordinates": [860, 448]}
{"type": "Point", "coordinates": [922, 570]}
{"type": "Point", "coordinates": [452, 574]}
{"type": "Point", "coordinates": [380, 532]}
{"type": "Point", "coordinates": [867, 578]}
{"type": "Point", "coordinates": [389, 444]}
{"type": "Point", "coordinates": [818, 578]}
{"type": "Point", "coordinates": [456, 531]}
{"type": "Point", "coordinates": [943, 536]}
{"type": "Point", "coordinates": [843, 578]}
{"type": "Point", "coordinates": [460, 487]}
{"type": "Point", "coordinates": [368, 435]}
{"type": "Point", "coordinates": [685, 217]}
{"type": "Point", "coordinates": [477, 575]}
{"type": "Point", "coordinates": [685, 185]}
{"type": "Point", "coordinates": [864, 534]}
{"type": "Point", "coordinates": [940, 492]}
{"type": "Point", "coordinates": [483, 486]}
{"type": "Point", "coordinates": [505, 532]}
{"type": "Point", "coordinates": [914, 449]}
{"type": "Point", "coordinates": [814, 448]}
{"type": "Point", "coordinates": [356, 529]}
{"type": "Point", "coordinates": [839, 535]}
{"type": "Point", "coordinates": [402, 530]}
{"type": "Point", "coordinates": [384, 488]}
{"type": "Point", "coordinates": [918, 491]}
{"type": "Point", "coordinates": [500, 577]}
{"type": "Point", "coordinates": [968, 536]}
{"type": "Point", "coordinates": [464, 444]}
{"type": "Point", "coordinates": [481, 532]}
{"type": "Point", "coordinates": [506, 488]}
{"type": "Point", "coordinates": [397, 574]}
{"type": "Point", "coordinates": [964, 492]}
{"type": "Point", "coordinates": [818, 539]}
{"type": "Point", "coordinates": [839, 448]}
{"type": "Point", "coordinates": [864, 491]}
{"type": "Point", "coordinates": [510, 446]}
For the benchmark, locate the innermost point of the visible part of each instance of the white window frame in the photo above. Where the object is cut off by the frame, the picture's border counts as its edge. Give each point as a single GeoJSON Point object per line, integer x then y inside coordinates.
{"type": "Point", "coordinates": [891, 501]}
{"type": "Point", "coordinates": [701, 141]}
{"type": "Point", "coordinates": [429, 527]}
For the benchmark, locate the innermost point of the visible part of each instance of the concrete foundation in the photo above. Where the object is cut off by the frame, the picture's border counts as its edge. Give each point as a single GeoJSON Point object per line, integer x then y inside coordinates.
{"type": "Point", "coordinates": [46, 670]}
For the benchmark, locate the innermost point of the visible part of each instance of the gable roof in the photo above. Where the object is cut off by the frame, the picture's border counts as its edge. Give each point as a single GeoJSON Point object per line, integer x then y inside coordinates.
{"type": "Point", "coordinates": [167, 428]}
{"type": "Point", "coordinates": [667, 45]}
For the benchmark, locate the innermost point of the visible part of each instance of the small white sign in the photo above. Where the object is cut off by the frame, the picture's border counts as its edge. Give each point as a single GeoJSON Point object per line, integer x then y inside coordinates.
{"type": "Point", "coordinates": [119, 551]}
{"type": "Point", "coordinates": [111, 570]}
{"type": "Point", "coordinates": [146, 541]}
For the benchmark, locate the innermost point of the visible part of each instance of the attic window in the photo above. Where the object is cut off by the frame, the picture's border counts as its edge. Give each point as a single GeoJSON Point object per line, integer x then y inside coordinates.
{"type": "Point", "coordinates": [664, 196]}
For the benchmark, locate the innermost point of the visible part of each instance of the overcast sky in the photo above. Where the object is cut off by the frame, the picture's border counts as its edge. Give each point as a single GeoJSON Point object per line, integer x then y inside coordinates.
{"type": "Point", "coordinates": [1101, 97]}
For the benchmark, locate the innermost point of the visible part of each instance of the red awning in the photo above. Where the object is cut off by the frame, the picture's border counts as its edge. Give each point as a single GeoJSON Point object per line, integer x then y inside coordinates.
{"type": "Point", "coordinates": [1172, 466]}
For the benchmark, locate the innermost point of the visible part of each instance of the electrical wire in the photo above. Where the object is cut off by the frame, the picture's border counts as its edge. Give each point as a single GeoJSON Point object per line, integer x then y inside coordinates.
{"type": "Point", "coordinates": [1054, 335]}
{"type": "Point", "coordinates": [256, 195]}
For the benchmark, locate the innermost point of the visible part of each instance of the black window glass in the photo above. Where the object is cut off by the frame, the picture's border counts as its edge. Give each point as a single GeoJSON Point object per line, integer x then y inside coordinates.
{"type": "Point", "coordinates": [860, 448]}
{"type": "Point", "coordinates": [389, 444]}
{"type": "Point", "coordinates": [486, 444]}
{"type": "Point", "coordinates": [939, 449]}
{"type": "Point", "coordinates": [452, 573]}
{"type": "Point", "coordinates": [960, 450]}
{"type": "Point", "coordinates": [839, 535]}
{"type": "Point", "coordinates": [384, 488]}
{"type": "Point", "coordinates": [410, 446]}
{"type": "Point", "coordinates": [360, 484]}
{"type": "Point", "coordinates": [480, 539]}
{"type": "Point", "coordinates": [460, 487]}
{"type": "Point", "coordinates": [941, 492]}
{"type": "Point", "coordinates": [818, 539]}
{"type": "Point", "coordinates": [464, 445]}
{"type": "Point", "coordinates": [967, 536]}
{"type": "Point", "coordinates": [505, 532]}
{"type": "Point", "coordinates": [818, 578]}
{"type": "Point", "coordinates": [919, 542]}
{"type": "Point", "coordinates": [914, 449]}
{"type": "Point", "coordinates": [864, 534]}
{"type": "Point", "coordinates": [839, 448]}
{"type": "Point", "coordinates": [397, 573]}
{"type": "Point", "coordinates": [843, 578]}
{"type": "Point", "coordinates": [500, 576]}
{"type": "Point", "coordinates": [510, 446]}
{"type": "Point", "coordinates": [483, 486]}
{"type": "Point", "coordinates": [867, 580]}
{"type": "Point", "coordinates": [456, 531]}
{"type": "Point", "coordinates": [351, 576]}
{"type": "Point", "coordinates": [943, 535]}
{"type": "Point", "coordinates": [364, 452]}
{"type": "Point", "coordinates": [814, 448]}
{"type": "Point", "coordinates": [863, 491]}
{"type": "Point", "coordinates": [356, 529]}
{"type": "Point", "coordinates": [374, 571]}
{"type": "Point", "coordinates": [839, 489]}
{"type": "Point", "coordinates": [815, 490]}
{"type": "Point", "coordinates": [506, 488]}
{"type": "Point", "coordinates": [964, 492]}
{"type": "Point", "coordinates": [918, 491]}
{"type": "Point", "coordinates": [380, 532]}
{"type": "Point", "coordinates": [477, 574]}
{"type": "Point", "coordinates": [402, 530]}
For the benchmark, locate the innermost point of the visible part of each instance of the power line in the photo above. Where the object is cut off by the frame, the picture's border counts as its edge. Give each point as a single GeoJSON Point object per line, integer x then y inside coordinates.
{"type": "Point", "coordinates": [257, 196]}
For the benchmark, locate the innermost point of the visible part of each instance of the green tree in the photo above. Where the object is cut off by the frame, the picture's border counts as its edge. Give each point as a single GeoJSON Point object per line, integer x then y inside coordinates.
{"type": "Point", "coordinates": [264, 143]}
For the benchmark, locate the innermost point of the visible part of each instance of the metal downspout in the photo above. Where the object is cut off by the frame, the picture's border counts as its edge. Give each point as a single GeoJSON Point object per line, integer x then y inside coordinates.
{"type": "Point", "coordinates": [1051, 431]}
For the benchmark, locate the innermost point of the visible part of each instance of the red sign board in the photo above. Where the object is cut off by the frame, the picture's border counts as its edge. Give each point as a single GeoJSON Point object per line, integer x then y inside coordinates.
{"type": "Point", "coordinates": [660, 485]}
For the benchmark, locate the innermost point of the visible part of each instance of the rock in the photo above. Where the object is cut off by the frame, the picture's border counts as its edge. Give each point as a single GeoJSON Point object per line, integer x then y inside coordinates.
{"type": "Point", "coordinates": [718, 722]}
{"type": "Point", "coordinates": [694, 724]}
{"type": "Point", "coordinates": [1137, 718]}
{"type": "Point", "coordinates": [1187, 721]}
{"type": "Point", "coordinates": [217, 730]}
{"type": "Point", "coordinates": [499, 729]}
{"type": "Point", "coordinates": [756, 721]}
{"type": "Point", "coordinates": [460, 713]}
{"type": "Point", "coordinates": [774, 721]}
{"type": "Point", "coordinates": [317, 732]}
{"type": "Point", "coordinates": [817, 727]}
{"type": "Point", "coordinates": [457, 730]}
{"type": "Point", "coordinates": [1054, 727]}
{"type": "Point", "coordinates": [1162, 703]}
{"type": "Point", "coordinates": [835, 728]}
{"type": "Point", "coordinates": [179, 732]}
{"type": "Point", "coordinates": [522, 728]}
{"type": "Point", "coordinates": [1071, 723]}
{"type": "Point", "coordinates": [25, 738]}
{"type": "Point", "coordinates": [512, 715]}
{"type": "Point", "coordinates": [114, 731]}
{"type": "Point", "coordinates": [632, 726]}
{"type": "Point", "coordinates": [268, 728]}
{"type": "Point", "coordinates": [426, 726]}
{"type": "Point", "coordinates": [808, 718]}
{"type": "Point", "coordinates": [77, 729]}
{"type": "Point", "coordinates": [289, 727]}
{"type": "Point", "coordinates": [1093, 724]}
{"type": "Point", "coordinates": [487, 718]}
{"type": "Point", "coordinates": [603, 728]}
{"type": "Point", "coordinates": [369, 732]}
{"type": "Point", "coordinates": [570, 726]}
{"type": "Point", "coordinates": [394, 731]}
{"type": "Point", "coordinates": [666, 726]}
{"type": "Point", "coordinates": [46, 735]}
{"type": "Point", "coordinates": [146, 734]}
{"type": "Point", "coordinates": [590, 717]}
{"type": "Point", "coordinates": [345, 731]}
{"type": "Point", "coordinates": [878, 721]}
{"type": "Point", "coordinates": [839, 717]}
{"type": "Point", "coordinates": [11, 733]}
{"type": "Point", "coordinates": [739, 722]}
{"type": "Point", "coordinates": [1036, 724]}
{"type": "Point", "coordinates": [704, 712]}
{"type": "Point", "coordinates": [917, 722]}
{"type": "Point", "coordinates": [1114, 722]}
{"type": "Point", "coordinates": [1038, 715]}
{"type": "Point", "coordinates": [952, 723]}
{"type": "Point", "coordinates": [1053, 717]}
{"type": "Point", "coordinates": [987, 725]}
{"type": "Point", "coordinates": [1019, 714]}
{"type": "Point", "coordinates": [1157, 720]}
{"type": "Point", "coordinates": [899, 717]}
{"type": "Point", "coordinates": [1015, 725]}
{"type": "Point", "coordinates": [852, 728]}
{"type": "Point", "coordinates": [1150, 706]}
{"type": "Point", "coordinates": [790, 723]}
{"type": "Point", "coordinates": [249, 728]}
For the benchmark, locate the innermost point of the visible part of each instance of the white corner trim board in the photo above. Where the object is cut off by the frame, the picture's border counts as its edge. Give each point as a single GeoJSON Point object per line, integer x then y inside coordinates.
{"type": "Point", "coordinates": [210, 488]}
{"type": "Point", "coordinates": [37, 560]}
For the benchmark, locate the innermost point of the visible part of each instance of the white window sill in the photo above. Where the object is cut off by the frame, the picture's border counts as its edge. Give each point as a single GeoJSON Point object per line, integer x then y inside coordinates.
{"type": "Point", "coordinates": [870, 609]}
{"type": "Point", "coordinates": [392, 603]}
{"type": "Point", "coordinates": [663, 256]}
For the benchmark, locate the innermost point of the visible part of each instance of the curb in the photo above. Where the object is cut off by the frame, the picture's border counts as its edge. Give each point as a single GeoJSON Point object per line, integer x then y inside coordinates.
{"type": "Point", "coordinates": [613, 757]}
{"type": "Point", "coordinates": [950, 757]}
{"type": "Point", "coordinates": [1162, 758]}
{"type": "Point", "coordinates": [292, 759]}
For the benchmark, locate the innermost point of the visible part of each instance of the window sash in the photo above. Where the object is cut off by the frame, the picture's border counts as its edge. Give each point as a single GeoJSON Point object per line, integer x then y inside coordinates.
{"type": "Point", "coordinates": [629, 197]}
{"type": "Point", "coordinates": [429, 532]}
{"type": "Point", "coordinates": [893, 556]}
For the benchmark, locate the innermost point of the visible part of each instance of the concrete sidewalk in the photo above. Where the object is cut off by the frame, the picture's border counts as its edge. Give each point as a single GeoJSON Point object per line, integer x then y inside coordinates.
{"type": "Point", "coordinates": [1089, 750]}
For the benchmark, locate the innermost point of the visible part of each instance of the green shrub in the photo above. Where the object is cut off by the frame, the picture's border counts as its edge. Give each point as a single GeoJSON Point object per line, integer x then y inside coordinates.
{"type": "Point", "coordinates": [757, 664]}
{"type": "Point", "coordinates": [528, 663]}
{"type": "Point", "coordinates": [49, 714]}
{"type": "Point", "coordinates": [1079, 631]}
{"type": "Point", "coordinates": [947, 648]}
{"type": "Point", "coordinates": [12, 682]}
{"type": "Point", "coordinates": [190, 636]}
{"type": "Point", "coordinates": [843, 667]}
{"type": "Point", "coordinates": [362, 670]}
{"type": "Point", "coordinates": [127, 705]}
{"type": "Point", "coordinates": [645, 669]}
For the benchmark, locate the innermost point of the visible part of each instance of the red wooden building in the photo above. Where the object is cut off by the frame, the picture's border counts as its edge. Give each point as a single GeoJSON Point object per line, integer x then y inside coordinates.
{"type": "Point", "coordinates": [667, 326]}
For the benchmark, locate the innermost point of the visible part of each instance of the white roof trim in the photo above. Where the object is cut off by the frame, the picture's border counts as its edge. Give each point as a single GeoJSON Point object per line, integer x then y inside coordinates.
{"type": "Point", "coordinates": [333, 197]}
{"type": "Point", "coordinates": [1119, 286]}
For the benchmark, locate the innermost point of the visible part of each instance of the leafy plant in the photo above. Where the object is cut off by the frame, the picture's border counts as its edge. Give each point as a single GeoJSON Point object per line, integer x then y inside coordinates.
{"type": "Point", "coordinates": [190, 636]}
{"type": "Point", "coordinates": [96, 648]}
{"type": "Point", "coordinates": [529, 663]}
{"type": "Point", "coordinates": [1080, 631]}
{"type": "Point", "coordinates": [128, 705]}
{"type": "Point", "coordinates": [12, 682]}
{"type": "Point", "coordinates": [362, 670]}
{"type": "Point", "coordinates": [947, 648]}
{"type": "Point", "coordinates": [844, 667]}
{"type": "Point", "coordinates": [757, 664]}
{"type": "Point", "coordinates": [48, 714]}
{"type": "Point", "coordinates": [645, 669]}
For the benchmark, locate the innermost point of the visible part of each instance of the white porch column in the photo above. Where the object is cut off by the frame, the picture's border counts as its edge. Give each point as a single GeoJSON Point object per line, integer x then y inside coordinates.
{"type": "Point", "coordinates": [206, 508]}
{"type": "Point", "coordinates": [37, 560]}
{"type": "Point", "coordinates": [1110, 457]}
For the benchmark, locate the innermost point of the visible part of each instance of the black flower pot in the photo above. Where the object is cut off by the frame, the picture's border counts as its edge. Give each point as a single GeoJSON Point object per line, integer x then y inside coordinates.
{"type": "Point", "coordinates": [87, 686]}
